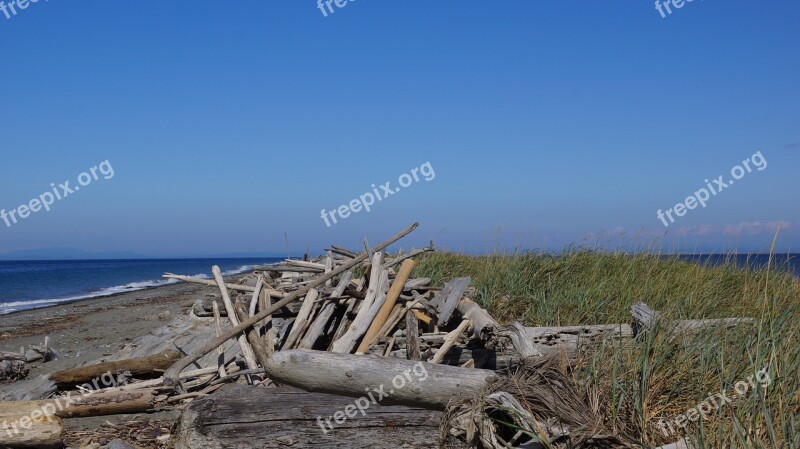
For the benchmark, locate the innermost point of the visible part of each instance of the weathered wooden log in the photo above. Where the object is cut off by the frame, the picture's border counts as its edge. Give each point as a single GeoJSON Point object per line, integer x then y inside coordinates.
{"type": "Point", "coordinates": [87, 404]}
{"type": "Point", "coordinates": [171, 376]}
{"type": "Point", "coordinates": [144, 365]}
{"type": "Point", "coordinates": [378, 282]}
{"type": "Point", "coordinates": [13, 356]}
{"type": "Point", "coordinates": [301, 319]}
{"type": "Point", "coordinates": [648, 318]}
{"type": "Point", "coordinates": [388, 305]}
{"type": "Point", "coordinates": [318, 326]}
{"type": "Point", "coordinates": [450, 340]}
{"type": "Point", "coordinates": [404, 382]}
{"type": "Point", "coordinates": [278, 418]}
{"type": "Point", "coordinates": [247, 350]}
{"type": "Point", "coordinates": [260, 350]}
{"type": "Point", "coordinates": [483, 326]}
{"type": "Point", "coordinates": [212, 283]}
{"type": "Point", "coordinates": [318, 267]}
{"type": "Point", "coordinates": [27, 426]}
{"type": "Point", "coordinates": [448, 298]}
{"type": "Point", "coordinates": [412, 334]}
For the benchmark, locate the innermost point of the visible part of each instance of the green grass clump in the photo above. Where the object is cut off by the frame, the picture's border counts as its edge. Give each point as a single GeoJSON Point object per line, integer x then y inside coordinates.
{"type": "Point", "coordinates": [634, 386]}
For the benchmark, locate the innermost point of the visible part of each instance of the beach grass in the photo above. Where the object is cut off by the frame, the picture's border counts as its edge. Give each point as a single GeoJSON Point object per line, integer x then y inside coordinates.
{"type": "Point", "coordinates": [638, 388]}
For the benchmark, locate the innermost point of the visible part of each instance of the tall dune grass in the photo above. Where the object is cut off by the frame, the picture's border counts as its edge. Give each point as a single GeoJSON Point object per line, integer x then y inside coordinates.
{"type": "Point", "coordinates": [634, 386]}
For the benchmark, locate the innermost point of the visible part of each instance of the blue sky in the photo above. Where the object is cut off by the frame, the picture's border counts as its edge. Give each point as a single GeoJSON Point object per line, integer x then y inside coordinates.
{"type": "Point", "coordinates": [231, 124]}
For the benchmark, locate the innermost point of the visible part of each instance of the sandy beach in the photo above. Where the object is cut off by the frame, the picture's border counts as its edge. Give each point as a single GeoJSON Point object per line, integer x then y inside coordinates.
{"type": "Point", "coordinates": [90, 329]}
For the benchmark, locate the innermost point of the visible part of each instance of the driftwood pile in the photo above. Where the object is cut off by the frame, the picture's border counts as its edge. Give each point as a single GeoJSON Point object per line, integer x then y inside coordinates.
{"type": "Point", "coordinates": [339, 325]}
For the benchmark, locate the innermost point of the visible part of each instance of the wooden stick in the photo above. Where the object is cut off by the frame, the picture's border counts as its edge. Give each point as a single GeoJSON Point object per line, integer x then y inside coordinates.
{"type": "Point", "coordinates": [236, 287]}
{"type": "Point", "coordinates": [402, 258]}
{"type": "Point", "coordinates": [256, 294]}
{"type": "Point", "coordinates": [366, 312]}
{"type": "Point", "coordinates": [302, 263]}
{"type": "Point", "coordinates": [255, 340]}
{"type": "Point", "coordinates": [171, 376]}
{"type": "Point", "coordinates": [328, 268]}
{"type": "Point", "coordinates": [302, 317]}
{"type": "Point", "coordinates": [386, 309]}
{"type": "Point", "coordinates": [220, 350]}
{"type": "Point", "coordinates": [343, 251]}
{"type": "Point", "coordinates": [318, 326]}
{"type": "Point", "coordinates": [449, 341]}
{"type": "Point", "coordinates": [247, 350]}
{"type": "Point", "coordinates": [412, 332]}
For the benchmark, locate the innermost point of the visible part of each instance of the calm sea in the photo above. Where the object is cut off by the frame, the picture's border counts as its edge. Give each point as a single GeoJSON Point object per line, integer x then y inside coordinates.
{"type": "Point", "coordinates": [782, 262]}
{"type": "Point", "coordinates": [32, 284]}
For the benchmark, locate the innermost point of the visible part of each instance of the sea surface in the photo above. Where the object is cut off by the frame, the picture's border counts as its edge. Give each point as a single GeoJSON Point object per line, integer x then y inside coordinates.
{"type": "Point", "coordinates": [781, 262]}
{"type": "Point", "coordinates": [33, 284]}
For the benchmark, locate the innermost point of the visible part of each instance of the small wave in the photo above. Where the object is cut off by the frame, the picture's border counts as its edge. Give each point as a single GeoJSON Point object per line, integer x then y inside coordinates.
{"type": "Point", "coordinates": [240, 270]}
{"type": "Point", "coordinates": [16, 306]}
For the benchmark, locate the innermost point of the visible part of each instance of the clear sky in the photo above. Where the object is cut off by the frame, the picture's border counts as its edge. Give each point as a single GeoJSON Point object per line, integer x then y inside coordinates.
{"type": "Point", "coordinates": [231, 124]}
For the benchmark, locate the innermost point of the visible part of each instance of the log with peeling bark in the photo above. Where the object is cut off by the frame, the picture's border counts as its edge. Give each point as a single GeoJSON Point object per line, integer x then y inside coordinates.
{"type": "Point", "coordinates": [153, 364]}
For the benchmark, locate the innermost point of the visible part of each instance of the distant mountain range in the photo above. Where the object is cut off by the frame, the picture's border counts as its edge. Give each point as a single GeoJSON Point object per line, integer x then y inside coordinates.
{"type": "Point", "coordinates": [77, 254]}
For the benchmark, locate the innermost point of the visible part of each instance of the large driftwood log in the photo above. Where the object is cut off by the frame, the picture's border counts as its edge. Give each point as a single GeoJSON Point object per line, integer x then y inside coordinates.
{"type": "Point", "coordinates": [171, 376]}
{"type": "Point", "coordinates": [144, 365]}
{"type": "Point", "coordinates": [423, 384]}
{"type": "Point", "coordinates": [650, 319]}
{"type": "Point", "coordinates": [278, 418]}
{"type": "Point", "coordinates": [87, 404]}
{"type": "Point", "coordinates": [26, 426]}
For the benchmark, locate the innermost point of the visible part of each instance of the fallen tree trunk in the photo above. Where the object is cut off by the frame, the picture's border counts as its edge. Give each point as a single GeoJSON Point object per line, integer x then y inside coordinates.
{"type": "Point", "coordinates": [142, 365]}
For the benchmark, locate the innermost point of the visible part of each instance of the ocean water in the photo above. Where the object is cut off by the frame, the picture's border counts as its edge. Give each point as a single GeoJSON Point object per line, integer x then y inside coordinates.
{"type": "Point", "coordinates": [33, 284]}
{"type": "Point", "coordinates": [782, 262]}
